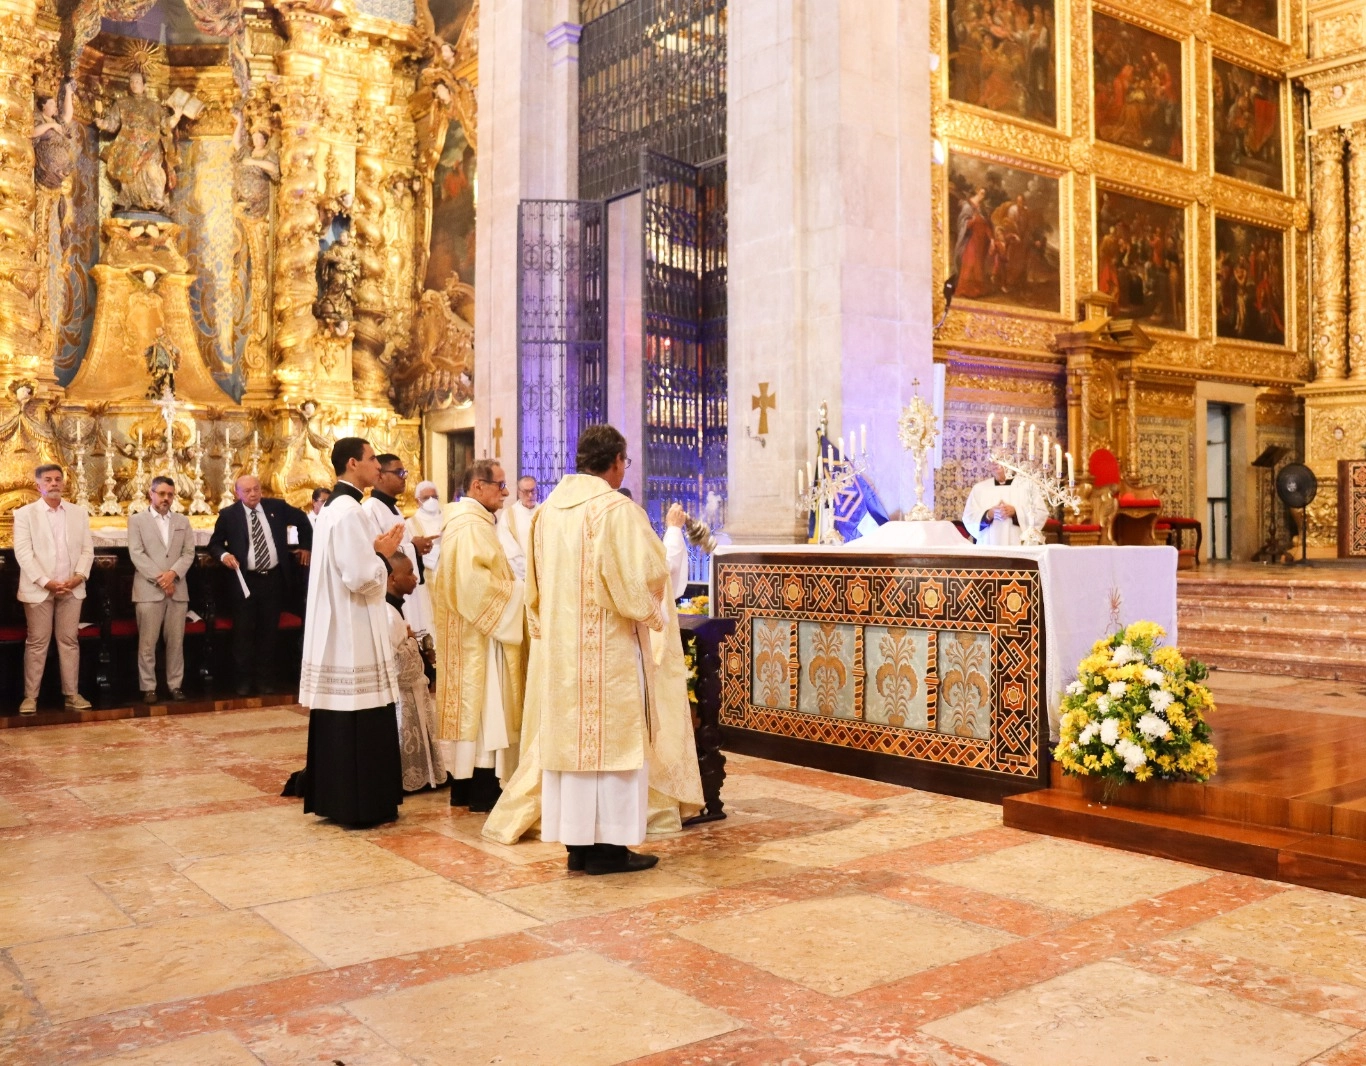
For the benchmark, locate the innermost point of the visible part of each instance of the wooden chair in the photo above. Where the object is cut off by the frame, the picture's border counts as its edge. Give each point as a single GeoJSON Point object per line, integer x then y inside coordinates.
{"type": "Point", "coordinates": [1126, 514]}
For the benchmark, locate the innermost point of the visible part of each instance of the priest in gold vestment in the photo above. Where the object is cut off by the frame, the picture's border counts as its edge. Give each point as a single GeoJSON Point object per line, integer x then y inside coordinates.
{"type": "Point", "coordinates": [480, 622]}
{"type": "Point", "coordinates": [594, 730]}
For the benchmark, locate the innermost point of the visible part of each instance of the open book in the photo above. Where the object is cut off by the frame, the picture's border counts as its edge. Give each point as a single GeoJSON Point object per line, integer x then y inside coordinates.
{"type": "Point", "coordinates": [189, 106]}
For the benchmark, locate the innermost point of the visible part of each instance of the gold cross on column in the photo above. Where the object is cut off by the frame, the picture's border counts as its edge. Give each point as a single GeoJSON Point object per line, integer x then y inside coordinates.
{"type": "Point", "coordinates": [497, 436]}
{"type": "Point", "coordinates": [763, 403]}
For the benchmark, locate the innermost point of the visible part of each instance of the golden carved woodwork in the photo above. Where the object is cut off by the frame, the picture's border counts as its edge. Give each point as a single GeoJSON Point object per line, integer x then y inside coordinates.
{"type": "Point", "coordinates": [1356, 250]}
{"type": "Point", "coordinates": [296, 231]}
{"type": "Point", "coordinates": [1329, 236]}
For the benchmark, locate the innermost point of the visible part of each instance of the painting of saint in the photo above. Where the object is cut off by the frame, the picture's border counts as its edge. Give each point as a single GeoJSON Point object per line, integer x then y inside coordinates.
{"type": "Point", "coordinates": [1138, 79]}
{"type": "Point", "coordinates": [1247, 125]}
{"type": "Point", "coordinates": [1263, 15]}
{"type": "Point", "coordinates": [1141, 258]}
{"type": "Point", "coordinates": [1004, 233]}
{"type": "Point", "coordinates": [1002, 56]}
{"type": "Point", "coordinates": [452, 244]}
{"type": "Point", "coordinates": [1249, 280]}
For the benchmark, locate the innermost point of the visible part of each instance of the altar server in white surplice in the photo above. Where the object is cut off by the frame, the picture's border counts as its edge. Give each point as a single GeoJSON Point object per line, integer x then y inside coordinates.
{"type": "Point", "coordinates": [514, 525]}
{"type": "Point", "coordinates": [381, 507]}
{"type": "Point", "coordinates": [1000, 508]}
{"type": "Point", "coordinates": [419, 750]}
{"type": "Point", "coordinates": [348, 678]}
{"type": "Point", "coordinates": [597, 585]}
{"type": "Point", "coordinates": [480, 625]}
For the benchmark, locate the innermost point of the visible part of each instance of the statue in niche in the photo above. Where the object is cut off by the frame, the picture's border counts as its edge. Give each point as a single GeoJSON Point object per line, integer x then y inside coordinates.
{"type": "Point", "coordinates": [308, 450]}
{"type": "Point", "coordinates": [28, 437]}
{"type": "Point", "coordinates": [56, 139]}
{"type": "Point", "coordinates": [163, 360]}
{"type": "Point", "coordinates": [257, 168]}
{"type": "Point", "coordinates": [339, 274]}
{"type": "Point", "coordinates": [142, 158]}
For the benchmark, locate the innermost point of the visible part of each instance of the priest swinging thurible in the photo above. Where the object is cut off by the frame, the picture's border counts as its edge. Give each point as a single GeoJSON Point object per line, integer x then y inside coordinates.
{"type": "Point", "coordinates": [348, 679]}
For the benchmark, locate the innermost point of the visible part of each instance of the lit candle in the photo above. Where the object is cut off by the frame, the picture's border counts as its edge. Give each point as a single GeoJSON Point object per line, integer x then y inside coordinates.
{"type": "Point", "coordinates": [801, 488]}
{"type": "Point", "coordinates": [991, 418]}
{"type": "Point", "coordinates": [255, 440]}
{"type": "Point", "coordinates": [1071, 478]}
{"type": "Point", "coordinates": [809, 479]}
{"type": "Point", "coordinates": [1019, 437]}
{"type": "Point", "coordinates": [80, 431]}
{"type": "Point", "coordinates": [1031, 442]}
{"type": "Point", "coordinates": [1047, 455]}
{"type": "Point", "coordinates": [1057, 454]}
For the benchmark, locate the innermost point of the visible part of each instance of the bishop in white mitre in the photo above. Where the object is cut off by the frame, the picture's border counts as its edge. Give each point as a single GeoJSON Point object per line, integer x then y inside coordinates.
{"type": "Point", "coordinates": [480, 617]}
{"type": "Point", "coordinates": [348, 679]}
{"type": "Point", "coordinates": [999, 508]}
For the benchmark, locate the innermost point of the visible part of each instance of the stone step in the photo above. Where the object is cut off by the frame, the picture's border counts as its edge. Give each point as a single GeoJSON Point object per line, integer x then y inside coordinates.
{"type": "Point", "coordinates": [1274, 611]}
{"type": "Point", "coordinates": [1330, 641]}
{"type": "Point", "coordinates": [1283, 591]}
{"type": "Point", "coordinates": [1337, 864]}
{"type": "Point", "coordinates": [1268, 658]}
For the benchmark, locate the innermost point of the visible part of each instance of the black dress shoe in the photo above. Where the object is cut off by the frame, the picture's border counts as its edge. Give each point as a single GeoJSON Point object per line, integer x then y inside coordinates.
{"type": "Point", "coordinates": [460, 792]}
{"type": "Point", "coordinates": [576, 855]}
{"type": "Point", "coordinates": [149, 696]}
{"type": "Point", "coordinates": [484, 790]}
{"type": "Point", "coordinates": [178, 695]}
{"type": "Point", "coordinates": [615, 859]}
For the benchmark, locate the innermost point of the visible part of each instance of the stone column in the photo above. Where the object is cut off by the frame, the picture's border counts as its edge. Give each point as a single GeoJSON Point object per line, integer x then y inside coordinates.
{"type": "Point", "coordinates": [528, 150]}
{"type": "Point", "coordinates": [1356, 247]}
{"type": "Point", "coordinates": [829, 241]}
{"type": "Point", "coordinates": [1329, 236]}
{"type": "Point", "coordinates": [19, 279]}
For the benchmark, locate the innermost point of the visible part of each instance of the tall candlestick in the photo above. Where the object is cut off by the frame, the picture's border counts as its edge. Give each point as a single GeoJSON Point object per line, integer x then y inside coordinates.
{"type": "Point", "coordinates": [1057, 454]}
{"type": "Point", "coordinates": [1019, 437]}
{"type": "Point", "coordinates": [1031, 442]}
{"type": "Point", "coordinates": [801, 488]}
{"type": "Point", "coordinates": [991, 418]}
{"type": "Point", "coordinates": [1071, 477]}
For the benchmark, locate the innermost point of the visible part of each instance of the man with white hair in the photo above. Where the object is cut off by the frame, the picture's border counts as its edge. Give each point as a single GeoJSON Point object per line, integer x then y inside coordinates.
{"type": "Point", "coordinates": [425, 523]}
{"type": "Point", "coordinates": [514, 525]}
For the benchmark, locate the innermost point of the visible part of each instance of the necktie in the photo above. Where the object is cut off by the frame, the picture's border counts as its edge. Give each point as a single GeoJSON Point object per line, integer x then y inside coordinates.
{"type": "Point", "coordinates": [258, 542]}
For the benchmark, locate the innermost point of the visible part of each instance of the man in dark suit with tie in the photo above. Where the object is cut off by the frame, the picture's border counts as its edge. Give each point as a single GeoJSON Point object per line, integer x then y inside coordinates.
{"type": "Point", "coordinates": [252, 536]}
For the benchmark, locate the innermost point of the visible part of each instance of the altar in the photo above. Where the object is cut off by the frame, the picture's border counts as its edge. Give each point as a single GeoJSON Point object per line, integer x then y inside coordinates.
{"type": "Point", "coordinates": [936, 667]}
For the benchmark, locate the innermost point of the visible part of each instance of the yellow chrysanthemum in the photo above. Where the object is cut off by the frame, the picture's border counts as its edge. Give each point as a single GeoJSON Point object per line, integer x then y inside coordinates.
{"type": "Point", "coordinates": [1168, 659]}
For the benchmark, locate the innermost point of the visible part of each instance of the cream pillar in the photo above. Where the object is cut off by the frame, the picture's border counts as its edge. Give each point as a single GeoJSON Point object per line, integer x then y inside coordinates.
{"type": "Point", "coordinates": [1329, 235]}
{"type": "Point", "coordinates": [528, 150]}
{"type": "Point", "coordinates": [829, 241]}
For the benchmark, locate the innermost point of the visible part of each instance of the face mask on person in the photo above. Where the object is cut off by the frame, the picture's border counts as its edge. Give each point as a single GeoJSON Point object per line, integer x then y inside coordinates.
{"type": "Point", "coordinates": [431, 505]}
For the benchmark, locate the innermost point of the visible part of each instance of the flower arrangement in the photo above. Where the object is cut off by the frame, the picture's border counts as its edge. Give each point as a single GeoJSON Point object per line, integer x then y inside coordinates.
{"type": "Point", "coordinates": [695, 605]}
{"type": "Point", "coordinates": [1136, 711]}
{"type": "Point", "coordinates": [690, 664]}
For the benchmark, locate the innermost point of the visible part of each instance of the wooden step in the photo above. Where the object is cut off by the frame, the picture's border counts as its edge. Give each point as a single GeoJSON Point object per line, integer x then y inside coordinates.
{"type": "Point", "coordinates": [1337, 864]}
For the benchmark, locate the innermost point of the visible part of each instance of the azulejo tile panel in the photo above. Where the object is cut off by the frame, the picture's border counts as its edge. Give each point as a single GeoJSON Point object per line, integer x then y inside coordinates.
{"type": "Point", "coordinates": [932, 659]}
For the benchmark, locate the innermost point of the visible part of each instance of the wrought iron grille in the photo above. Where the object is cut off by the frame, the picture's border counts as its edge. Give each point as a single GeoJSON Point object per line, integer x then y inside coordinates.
{"type": "Point", "coordinates": [684, 339]}
{"type": "Point", "coordinates": [652, 74]}
{"type": "Point", "coordinates": [561, 334]}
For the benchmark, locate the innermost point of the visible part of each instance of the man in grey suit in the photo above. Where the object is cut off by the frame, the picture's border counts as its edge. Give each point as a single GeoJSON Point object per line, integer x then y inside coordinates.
{"type": "Point", "coordinates": [161, 546]}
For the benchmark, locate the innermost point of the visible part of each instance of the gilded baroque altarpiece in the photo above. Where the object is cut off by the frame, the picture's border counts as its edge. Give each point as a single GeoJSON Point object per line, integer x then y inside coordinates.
{"type": "Point", "coordinates": [218, 221]}
{"type": "Point", "coordinates": [1154, 153]}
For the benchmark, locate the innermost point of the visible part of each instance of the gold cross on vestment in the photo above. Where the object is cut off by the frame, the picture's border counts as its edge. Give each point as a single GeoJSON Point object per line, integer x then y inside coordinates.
{"type": "Point", "coordinates": [497, 435]}
{"type": "Point", "coordinates": [763, 403]}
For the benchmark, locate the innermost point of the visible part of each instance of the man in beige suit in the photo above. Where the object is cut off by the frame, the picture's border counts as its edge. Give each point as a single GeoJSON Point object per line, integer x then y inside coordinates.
{"type": "Point", "coordinates": [161, 546]}
{"type": "Point", "coordinates": [53, 547]}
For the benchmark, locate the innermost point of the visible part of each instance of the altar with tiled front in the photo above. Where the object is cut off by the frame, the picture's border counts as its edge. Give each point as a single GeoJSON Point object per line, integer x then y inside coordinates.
{"type": "Point", "coordinates": [941, 669]}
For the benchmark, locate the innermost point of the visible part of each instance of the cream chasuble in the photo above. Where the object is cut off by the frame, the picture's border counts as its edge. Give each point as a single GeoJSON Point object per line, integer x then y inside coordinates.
{"type": "Point", "coordinates": [479, 635]}
{"type": "Point", "coordinates": [986, 494]}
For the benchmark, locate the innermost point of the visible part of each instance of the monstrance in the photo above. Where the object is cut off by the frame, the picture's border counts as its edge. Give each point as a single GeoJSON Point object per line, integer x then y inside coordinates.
{"type": "Point", "coordinates": [918, 429]}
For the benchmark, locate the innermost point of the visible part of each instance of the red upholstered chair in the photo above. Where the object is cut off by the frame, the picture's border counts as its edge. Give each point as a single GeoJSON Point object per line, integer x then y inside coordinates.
{"type": "Point", "coordinates": [1125, 513]}
{"type": "Point", "coordinates": [1174, 528]}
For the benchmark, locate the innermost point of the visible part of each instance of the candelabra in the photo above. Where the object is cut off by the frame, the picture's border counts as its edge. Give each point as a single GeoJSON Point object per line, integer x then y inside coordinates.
{"type": "Point", "coordinates": [138, 500]}
{"type": "Point", "coordinates": [837, 477]}
{"type": "Point", "coordinates": [198, 504]}
{"type": "Point", "coordinates": [1056, 490]}
{"type": "Point", "coordinates": [169, 406]}
{"type": "Point", "coordinates": [82, 488]}
{"type": "Point", "coordinates": [110, 504]}
{"type": "Point", "coordinates": [228, 498]}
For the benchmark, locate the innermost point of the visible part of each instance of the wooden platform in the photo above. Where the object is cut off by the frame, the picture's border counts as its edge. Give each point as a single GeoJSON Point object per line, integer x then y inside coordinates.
{"type": "Point", "coordinates": [1289, 802]}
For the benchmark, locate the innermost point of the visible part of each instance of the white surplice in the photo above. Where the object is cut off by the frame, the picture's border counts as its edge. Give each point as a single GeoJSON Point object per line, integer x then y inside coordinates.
{"type": "Point", "coordinates": [1030, 509]}
{"type": "Point", "coordinates": [514, 531]}
{"type": "Point", "coordinates": [417, 606]}
{"type": "Point", "coordinates": [422, 524]}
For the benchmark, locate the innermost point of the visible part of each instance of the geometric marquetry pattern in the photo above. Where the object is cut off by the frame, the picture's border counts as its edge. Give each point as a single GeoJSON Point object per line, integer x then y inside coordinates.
{"type": "Point", "coordinates": [976, 702]}
{"type": "Point", "coordinates": [1353, 505]}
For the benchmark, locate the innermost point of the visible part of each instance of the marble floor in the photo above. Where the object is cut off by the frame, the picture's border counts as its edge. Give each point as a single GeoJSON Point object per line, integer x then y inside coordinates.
{"type": "Point", "coordinates": [159, 904]}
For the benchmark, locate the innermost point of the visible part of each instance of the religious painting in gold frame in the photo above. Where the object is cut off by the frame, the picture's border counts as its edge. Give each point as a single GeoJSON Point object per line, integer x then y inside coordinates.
{"type": "Point", "coordinates": [1249, 282]}
{"type": "Point", "coordinates": [1002, 57]}
{"type": "Point", "coordinates": [1263, 16]}
{"type": "Point", "coordinates": [1141, 258]}
{"type": "Point", "coordinates": [1004, 236]}
{"type": "Point", "coordinates": [1139, 85]}
{"type": "Point", "coordinates": [1246, 121]}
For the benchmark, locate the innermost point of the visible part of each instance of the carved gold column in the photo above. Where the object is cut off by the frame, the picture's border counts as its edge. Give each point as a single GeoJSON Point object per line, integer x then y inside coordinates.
{"type": "Point", "coordinates": [19, 279]}
{"type": "Point", "coordinates": [368, 224]}
{"type": "Point", "coordinates": [1356, 247]}
{"type": "Point", "coordinates": [1329, 235]}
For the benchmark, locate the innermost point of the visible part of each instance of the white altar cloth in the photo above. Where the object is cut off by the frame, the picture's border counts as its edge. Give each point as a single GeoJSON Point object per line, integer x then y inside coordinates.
{"type": "Point", "coordinates": [1087, 592]}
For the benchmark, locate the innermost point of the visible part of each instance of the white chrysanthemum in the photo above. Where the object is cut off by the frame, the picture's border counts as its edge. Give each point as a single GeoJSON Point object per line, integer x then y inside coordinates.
{"type": "Point", "coordinates": [1153, 727]}
{"type": "Point", "coordinates": [1089, 733]}
{"type": "Point", "coordinates": [1154, 676]}
{"type": "Point", "coordinates": [1109, 732]}
{"type": "Point", "coordinates": [1160, 699]}
{"type": "Point", "coordinates": [1076, 688]}
{"type": "Point", "coordinates": [1103, 705]}
{"type": "Point", "coordinates": [1132, 755]}
{"type": "Point", "coordinates": [1117, 689]}
{"type": "Point", "coordinates": [1123, 655]}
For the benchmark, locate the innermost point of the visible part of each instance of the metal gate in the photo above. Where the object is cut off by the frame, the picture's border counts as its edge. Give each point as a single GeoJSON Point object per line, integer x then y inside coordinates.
{"type": "Point", "coordinates": [561, 332]}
